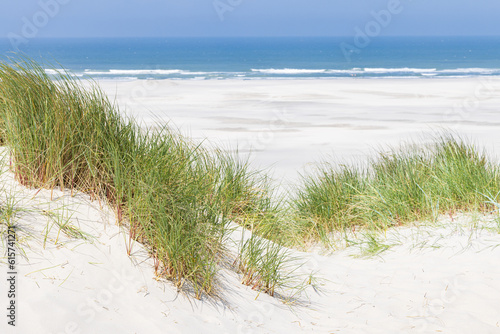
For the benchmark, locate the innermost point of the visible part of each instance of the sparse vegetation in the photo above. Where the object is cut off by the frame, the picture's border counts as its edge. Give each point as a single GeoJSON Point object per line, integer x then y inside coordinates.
{"type": "Point", "coordinates": [406, 185]}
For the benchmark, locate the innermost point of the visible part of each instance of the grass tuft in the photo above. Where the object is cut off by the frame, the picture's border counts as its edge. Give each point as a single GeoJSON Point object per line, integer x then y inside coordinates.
{"type": "Point", "coordinates": [399, 187]}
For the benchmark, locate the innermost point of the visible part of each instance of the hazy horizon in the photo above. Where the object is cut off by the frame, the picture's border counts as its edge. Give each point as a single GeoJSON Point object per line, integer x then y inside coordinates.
{"type": "Point", "coordinates": [239, 18]}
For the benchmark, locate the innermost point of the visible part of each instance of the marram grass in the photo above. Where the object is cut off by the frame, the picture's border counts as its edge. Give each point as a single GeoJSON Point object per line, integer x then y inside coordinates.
{"type": "Point", "coordinates": [176, 197]}
{"type": "Point", "coordinates": [410, 184]}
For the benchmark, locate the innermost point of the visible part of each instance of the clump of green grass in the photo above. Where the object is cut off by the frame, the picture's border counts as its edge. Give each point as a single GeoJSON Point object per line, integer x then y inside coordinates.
{"type": "Point", "coordinates": [55, 129]}
{"type": "Point", "coordinates": [326, 201]}
{"type": "Point", "coordinates": [402, 186]}
{"type": "Point", "coordinates": [244, 193]}
{"type": "Point", "coordinates": [175, 196]}
{"type": "Point", "coordinates": [250, 199]}
{"type": "Point", "coordinates": [268, 267]}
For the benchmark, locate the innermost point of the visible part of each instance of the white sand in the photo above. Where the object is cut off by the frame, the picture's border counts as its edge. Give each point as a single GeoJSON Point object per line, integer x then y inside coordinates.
{"type": "Point", "coordinates": [434, 279]}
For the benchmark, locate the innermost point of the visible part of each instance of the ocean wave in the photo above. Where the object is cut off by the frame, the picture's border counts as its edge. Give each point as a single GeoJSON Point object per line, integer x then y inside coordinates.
{"type": "Point", "coordinates": [351, 71]}
{"type": "Point", "coordinates": [116, 72]}
{"type": "Point", "coordinates": [399, 70]}
{"type": "Point", "coordinates": [433, 71]}
{"type": "Point", "coordinates": [475, 70]}
{"type": "Point", "coordinates": [380, 71]}
{"type": "Point", "coordinates": [119, 79]}
{"type": "Point", "coordinates": [133, 72]}
{"type": "Point", "coordinates": [287, 71]}
{"type": "Point", "coordinates": [56, 71]}
{"type": "Point", "coordinates": [197, 73]}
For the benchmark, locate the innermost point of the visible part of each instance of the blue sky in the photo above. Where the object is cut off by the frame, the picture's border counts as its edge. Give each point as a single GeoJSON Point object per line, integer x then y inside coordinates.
{"type": "Point", "coordinates": [121, 18]}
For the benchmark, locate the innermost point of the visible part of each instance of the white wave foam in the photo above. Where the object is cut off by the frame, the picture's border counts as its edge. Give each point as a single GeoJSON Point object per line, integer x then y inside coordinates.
{"type": "Point", "coordinates": [196, 73]}
{"type": "Point", "coordinates": [471, 70]}
{"type": "Point", "coordinates": [353, 71]}
{"type": "Point", "coordinates": [399, 70]}
{"type": "Point", "coordinates": [287, 71]}
{"type": "Point", "coordinates": [147, 72]}
{"type": "Point", "coordinates": [118, 79]}
{"type": "Point", "coordinates": [133, 72]}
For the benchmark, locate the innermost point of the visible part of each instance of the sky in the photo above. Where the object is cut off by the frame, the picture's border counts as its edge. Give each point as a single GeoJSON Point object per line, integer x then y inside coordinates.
{"type": "Point", "coordinates": [218, 18]}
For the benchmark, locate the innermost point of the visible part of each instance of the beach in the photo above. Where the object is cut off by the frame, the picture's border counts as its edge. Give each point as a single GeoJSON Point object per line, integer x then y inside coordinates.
{"type": "Point", "coordinates": [288, 124]}
{"type": "Point", "coordinates": [249, 167]}
{"type": "Point", "coordinates": [440, 277]}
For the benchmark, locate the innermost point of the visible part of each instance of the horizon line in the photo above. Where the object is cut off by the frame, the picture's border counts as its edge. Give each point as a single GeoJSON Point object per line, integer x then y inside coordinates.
{"type": "Point", "coordinates": [252, 36]}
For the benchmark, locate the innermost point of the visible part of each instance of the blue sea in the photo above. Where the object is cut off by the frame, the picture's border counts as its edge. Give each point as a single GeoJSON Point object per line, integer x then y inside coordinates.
{"type": "Point", "coordinates": [266, 58]}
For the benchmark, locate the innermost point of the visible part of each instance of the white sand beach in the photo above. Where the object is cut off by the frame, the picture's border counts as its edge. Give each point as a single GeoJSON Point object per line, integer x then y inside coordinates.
{"type": "Point", "coordinates": [442, 278]}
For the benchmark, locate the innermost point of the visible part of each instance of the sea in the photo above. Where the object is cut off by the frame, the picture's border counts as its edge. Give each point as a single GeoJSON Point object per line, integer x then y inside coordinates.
{"type": "Point", "coordinates": [264, 58]}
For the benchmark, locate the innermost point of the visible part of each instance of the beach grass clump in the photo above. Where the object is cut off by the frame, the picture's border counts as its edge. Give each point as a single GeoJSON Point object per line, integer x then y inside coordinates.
{"type": "Point", "coordinates": [171, 200]}
{"type": "Point", "coordinates": [251, 199]}
{"type": "Point", "coordinates": [402, 186]}
{"type": "Point", "coordinates": [175, 196]}
{"type": "Point", "coordinates": [466, 176]}
{"type": "Point", "coordinates": [397, 183]}
{"type": "Point", "coordinates": [266, 266]}
{"type": "Point", "coordinates": [326, 201]}
{"type": "Point", "coordinates": [56, 131]}
{"type": "Point", "coordinates": [243, 192]}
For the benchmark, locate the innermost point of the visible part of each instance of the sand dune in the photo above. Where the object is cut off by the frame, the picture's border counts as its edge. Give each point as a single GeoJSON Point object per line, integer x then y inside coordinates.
{"type": "Point", "coordinates": [441, 278]}
{"type": "Point", "coordinates": [434, 278]}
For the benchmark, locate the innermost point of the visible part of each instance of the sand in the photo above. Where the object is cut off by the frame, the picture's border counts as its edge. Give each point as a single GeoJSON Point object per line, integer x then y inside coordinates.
{"type": "Point", "coordinates": [441, 278]}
